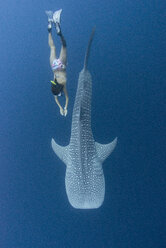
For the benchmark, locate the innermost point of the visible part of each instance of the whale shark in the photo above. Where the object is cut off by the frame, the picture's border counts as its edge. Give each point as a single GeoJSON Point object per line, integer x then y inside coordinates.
{"type": "Point", "coordinates": [84, 179]}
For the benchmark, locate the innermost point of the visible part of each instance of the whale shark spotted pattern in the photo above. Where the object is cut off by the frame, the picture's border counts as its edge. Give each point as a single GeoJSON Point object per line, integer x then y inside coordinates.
{"type": "Point", "coordinates": [84, 180]}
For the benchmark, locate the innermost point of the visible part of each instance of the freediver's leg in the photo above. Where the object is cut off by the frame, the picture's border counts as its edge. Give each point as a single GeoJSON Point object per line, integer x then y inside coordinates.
{"type": "Point", "coordinates": [63, 52]}
{"type": "Point", "coordinates": [52, 48]}
{"type": "Point", "coordinates": [56, 19]}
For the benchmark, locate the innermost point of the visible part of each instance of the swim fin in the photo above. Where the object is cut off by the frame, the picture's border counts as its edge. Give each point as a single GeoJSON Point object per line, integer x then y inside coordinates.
{"type": "Point", "coordinates": [49, 13]}
{"type": "Point", "coordinates": [57, 16]}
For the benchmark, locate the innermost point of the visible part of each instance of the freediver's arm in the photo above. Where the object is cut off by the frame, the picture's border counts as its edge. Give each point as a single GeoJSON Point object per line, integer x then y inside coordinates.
{"type": "Point", "coordinates": [66, 96]}
{"type": "Point", "coordinates": [67, 100]}
{"type": "Point", "coordinates": [58, 103]}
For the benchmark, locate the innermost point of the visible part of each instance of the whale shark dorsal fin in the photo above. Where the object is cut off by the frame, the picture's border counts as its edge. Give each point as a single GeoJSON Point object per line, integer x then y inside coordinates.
{"type": "Point", "coordinates": [60, 151]}
{"type": "Point", "coordinates": [104, 150]}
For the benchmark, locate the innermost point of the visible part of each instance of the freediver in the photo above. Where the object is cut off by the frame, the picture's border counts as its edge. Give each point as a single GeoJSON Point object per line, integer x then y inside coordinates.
{"type": "Point", "coordinates": [58, 65]}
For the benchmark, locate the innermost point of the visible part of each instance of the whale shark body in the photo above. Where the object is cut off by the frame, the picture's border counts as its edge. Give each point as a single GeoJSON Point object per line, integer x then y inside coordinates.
{"type": "Point", "coordinates": [84, 180]}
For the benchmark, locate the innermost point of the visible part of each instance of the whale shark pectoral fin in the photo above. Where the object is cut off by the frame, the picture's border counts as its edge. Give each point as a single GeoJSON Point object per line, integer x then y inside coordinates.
{"type": "Point", "coordinates": [104, 150]}
{"type": "Point", "coordinates": [60, 151]}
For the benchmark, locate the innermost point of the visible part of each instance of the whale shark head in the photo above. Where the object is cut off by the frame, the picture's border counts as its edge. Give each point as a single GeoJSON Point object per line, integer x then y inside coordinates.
{"type": "Point", "coordinates": [85, 186]}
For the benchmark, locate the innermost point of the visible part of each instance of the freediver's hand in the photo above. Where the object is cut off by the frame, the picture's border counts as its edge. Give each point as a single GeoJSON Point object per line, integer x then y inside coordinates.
{"type": "Point", "coordinates": [61, 111]}
{"type": "Point", "coordinates": [65, 111]}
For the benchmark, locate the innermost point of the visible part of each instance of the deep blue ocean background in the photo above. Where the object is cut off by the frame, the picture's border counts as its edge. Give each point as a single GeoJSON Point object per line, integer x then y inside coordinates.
{"type": "Point", "coordinates": [128, 66]}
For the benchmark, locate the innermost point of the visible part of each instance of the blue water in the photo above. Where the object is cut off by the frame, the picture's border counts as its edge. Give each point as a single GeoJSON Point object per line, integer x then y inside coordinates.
{"type": "Point", "coordinates": [127, 63]}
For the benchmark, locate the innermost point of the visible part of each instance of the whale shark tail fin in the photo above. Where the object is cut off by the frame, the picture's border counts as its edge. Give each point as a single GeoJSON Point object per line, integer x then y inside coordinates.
{"type": "Point", "coordinates": [60, 151]}
{"type": "Point", "coordinates": [103, 151]}
{"type": "Point", "coordinates": [88, 48]}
